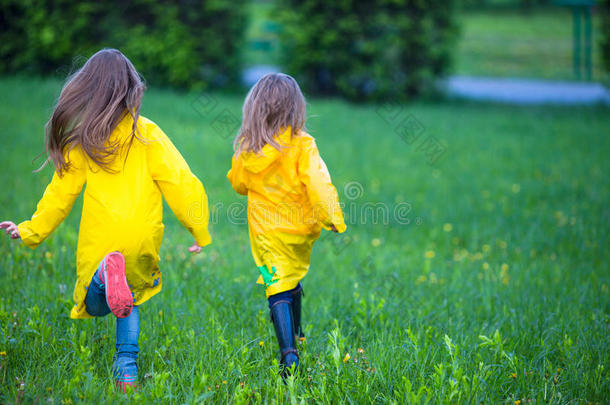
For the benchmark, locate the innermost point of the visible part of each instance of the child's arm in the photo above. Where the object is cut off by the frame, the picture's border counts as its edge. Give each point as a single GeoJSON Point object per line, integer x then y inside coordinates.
{"type": "Point", "coordinates": [182, 190]}
{"type": "Point", "coordinates": [235, 176]}
{"type": "Point", "coordinates": [320, 190]}
{"type": "Point", "coordinates": [55, 205]}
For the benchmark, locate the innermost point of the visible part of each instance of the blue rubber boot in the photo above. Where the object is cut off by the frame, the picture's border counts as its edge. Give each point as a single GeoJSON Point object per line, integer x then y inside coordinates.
{"type": "Point", "coordinates": [297, 295]}
{"type": "Point", "coordinates": [281, 315]}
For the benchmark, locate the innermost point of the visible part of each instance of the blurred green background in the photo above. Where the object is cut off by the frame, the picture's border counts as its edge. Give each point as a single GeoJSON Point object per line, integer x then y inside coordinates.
{"type": "Point", "coordinates": [510, 38]}
{"type": "Point", "coordinates": [496, 291]}
{"type": "Point", "coordinates": [362, 50]}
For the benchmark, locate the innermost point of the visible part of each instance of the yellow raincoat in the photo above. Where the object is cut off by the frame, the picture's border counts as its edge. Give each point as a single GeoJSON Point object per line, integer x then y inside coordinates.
{"type": "Point", "coordinates": [290, 198]}
{"type": "Point", "coordinates": [123, 209]}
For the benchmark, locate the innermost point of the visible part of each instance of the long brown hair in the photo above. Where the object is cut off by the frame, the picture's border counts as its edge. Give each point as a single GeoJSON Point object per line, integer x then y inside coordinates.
{"type": "Point", "coordinates": [91, 104]}
{"type": "Point", "coordinates": [273, 104]}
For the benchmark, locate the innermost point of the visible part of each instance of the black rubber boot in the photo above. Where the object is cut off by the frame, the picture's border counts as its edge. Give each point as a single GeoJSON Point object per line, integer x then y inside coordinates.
{"type": "Point", "coordinates": [281, 315]}
{"type": "Point", "coordinates": [297, 294]}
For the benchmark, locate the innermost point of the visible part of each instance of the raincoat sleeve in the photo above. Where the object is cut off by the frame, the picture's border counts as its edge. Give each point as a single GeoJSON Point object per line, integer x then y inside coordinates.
{"type": "Point", "coordinates": [322, 194]}
{"type": "Point", "coordinates": [236, 176]}
{"type": "Point", "coordinates": [56, 202]}
{"type": "Point", "coordinates": [181, 189]}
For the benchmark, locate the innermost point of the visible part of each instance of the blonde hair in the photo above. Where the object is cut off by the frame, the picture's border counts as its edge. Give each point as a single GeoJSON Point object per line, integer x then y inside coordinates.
{"type": "Point", "coordinates": [90, 106]}
{"type": "Point", "coordinates": [272, 105]}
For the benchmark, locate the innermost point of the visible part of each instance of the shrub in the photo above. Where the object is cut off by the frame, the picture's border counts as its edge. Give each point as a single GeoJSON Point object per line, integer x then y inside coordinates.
{"type": "Point", "coordinates": [184, 43]}
{"type": "Point", "coordinates": [367, 50]}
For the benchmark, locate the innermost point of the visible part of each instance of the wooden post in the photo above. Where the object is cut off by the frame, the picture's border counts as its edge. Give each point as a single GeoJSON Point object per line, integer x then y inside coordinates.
{"type": "Point", "coordinates": [577, 41]}
{"type": "Point", "coordinates": [588, 40]}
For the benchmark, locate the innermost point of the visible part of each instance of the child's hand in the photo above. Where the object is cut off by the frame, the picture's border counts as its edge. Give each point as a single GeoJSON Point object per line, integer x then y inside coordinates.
{"type": "Point", "coordinates": [195, 248]}
{"type": "Point", "coordinates": [332, 228]}
{"type": "Point", "coordinates": [11, 229]}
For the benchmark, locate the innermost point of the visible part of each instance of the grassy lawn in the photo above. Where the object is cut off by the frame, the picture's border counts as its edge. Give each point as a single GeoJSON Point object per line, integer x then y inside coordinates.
{"type": "Point", "coordinates": [536, 44]}
{"type": "Point", "coordinates": [496, 289]}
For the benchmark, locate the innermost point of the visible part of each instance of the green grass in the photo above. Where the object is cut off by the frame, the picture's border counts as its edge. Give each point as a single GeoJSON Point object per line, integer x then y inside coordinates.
{"type": "Point", "coordinates": [516, 43]}
{"type": "Point", "coordinates": [496, 291]}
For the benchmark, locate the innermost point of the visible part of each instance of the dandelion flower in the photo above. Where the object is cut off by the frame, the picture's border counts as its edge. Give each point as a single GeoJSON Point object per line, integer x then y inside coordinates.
{"type": "Point", "coordinates": [3, 353]}
{"type": "Point", "coordinates": [346, 358]}
{"type": "Point", "coordinates": [504, 273]}
{"type": "Point", "coordinates": [485, 266]}
{"type": "Point", "coordinates": [430, 254]}
{"type": "Point", "coordinates": [447, 227]}
{"type": "Point", "coordinates": [48, 255]}
{"type": "Point", "coordinates": [486, 248]}
{"type": "Point", "coordinates": [375, 242]}
{"type": "Point", "coordinates": [360, 350]}
{"type": "Point", "coordinates": [518, 402]}
{"type": "Point", "coordinates": [513, 375]}
{"type": "Point", "coordinates": [421, 279]}
{"type": "Point", "coordinates": [261, 343]}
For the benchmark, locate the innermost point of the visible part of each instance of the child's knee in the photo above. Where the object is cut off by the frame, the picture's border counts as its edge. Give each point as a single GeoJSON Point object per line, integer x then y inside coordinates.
{"type": "Point", "coordinates": [95, 304]}
{"type": "Point", "coordinates": [284, 295]}
{"type": "Point", "coordinates": [95, 300]}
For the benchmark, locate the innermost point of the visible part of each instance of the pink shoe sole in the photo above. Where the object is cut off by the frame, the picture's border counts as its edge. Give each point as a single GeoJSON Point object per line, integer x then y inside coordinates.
{"type": "Point", "coordinates": [122, 386]}
{"type": "Point", "coordinates": [118, 294]}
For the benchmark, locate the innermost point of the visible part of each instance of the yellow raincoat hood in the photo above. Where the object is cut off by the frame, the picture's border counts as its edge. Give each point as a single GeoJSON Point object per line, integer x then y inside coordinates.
{"type": "Point", "coordinates": [256, 163]}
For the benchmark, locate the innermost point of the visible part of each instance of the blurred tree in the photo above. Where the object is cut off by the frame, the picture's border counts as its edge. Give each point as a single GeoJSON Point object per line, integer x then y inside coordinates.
{"type": "Point", "coordinates": [185, 43]}
{"type": "Point", "coordinates": [367, 50]}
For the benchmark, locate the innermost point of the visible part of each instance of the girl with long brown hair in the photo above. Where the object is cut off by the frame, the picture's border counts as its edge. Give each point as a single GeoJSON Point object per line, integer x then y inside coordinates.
{"type": "Point", "coordinates": [290, 199]}
{"type": "Point", "coordinates": [97, 137]}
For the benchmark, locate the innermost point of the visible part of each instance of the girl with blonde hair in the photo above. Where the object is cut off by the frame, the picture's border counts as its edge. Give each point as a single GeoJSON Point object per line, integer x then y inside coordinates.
{"type": "Point", "coordinates": [290, 199]}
